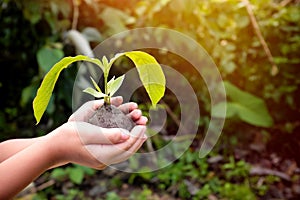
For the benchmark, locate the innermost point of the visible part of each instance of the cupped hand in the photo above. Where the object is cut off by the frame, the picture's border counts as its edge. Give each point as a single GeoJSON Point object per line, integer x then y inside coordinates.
{"type": "Point", "coordinates": [89, 145]}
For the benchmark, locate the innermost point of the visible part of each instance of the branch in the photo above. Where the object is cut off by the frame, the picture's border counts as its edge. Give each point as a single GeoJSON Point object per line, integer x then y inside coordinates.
{"type": "Point", "coordinates": [260, 171]}
{"type": "Point", "coordinates": [75, 14]}
{"type": "Point", "coordinates": [255, 25]}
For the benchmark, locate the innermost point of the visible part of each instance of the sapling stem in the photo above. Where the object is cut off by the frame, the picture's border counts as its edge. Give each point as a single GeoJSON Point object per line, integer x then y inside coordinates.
{"type": "Point", "coordinates": [107, 97]}
{"type": "Point", "coordinates": [107, 100]}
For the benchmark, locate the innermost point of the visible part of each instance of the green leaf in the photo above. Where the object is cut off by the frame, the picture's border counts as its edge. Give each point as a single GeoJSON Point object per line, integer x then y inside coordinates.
{"type": "Point", "coordinates": [86, 170]}
{"type": "Point", "coordinates": [113, 85]}
{"type": "Point", "coordinates": [58, 173]}
{"type": "Point", "coordinates": [150, 73]}
{"type": "Point", "coordinates": [28, 94]}
{"type": "Point", "coordinates": [245, 106]}
{"type": "Point", "coordinates": [76, 175]}
{"type": "Point", "coordinates": [148, 69]}
{"type": "Point", "coordinates": [96, 85]}
{"type": "Point", "coordinates": [111, 81]}
{"type": "Point", "coordinates": [44, 92]}
{"type": "Point", "coordinates": [106, 66]}
{"type": "Point", "coordinates": [47, 57]}
{"type": "Point", "coordinates": [93, 92]}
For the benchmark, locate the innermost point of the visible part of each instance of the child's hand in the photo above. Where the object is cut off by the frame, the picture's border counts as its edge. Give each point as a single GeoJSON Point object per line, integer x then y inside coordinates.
{"type": "Point", "coordinates": [80, 142]}
{"type": "Point", "coordinates": [73, 142]}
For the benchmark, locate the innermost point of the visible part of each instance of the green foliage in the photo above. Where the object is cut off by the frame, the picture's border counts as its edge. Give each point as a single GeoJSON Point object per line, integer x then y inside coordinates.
{"type": "Point", "coordinates": [245, 106]}
{"type": "Point", "coordinates": [149, 71]}
{"type": "Point", "coordinates": [146, 193]}
{"type": "Point", "coordinates": [47, 57]}
{"type": "Point", "coordinates": [235, 169]}
{"type": "Point", "coordinates": [237, 192]}
{"type": "Point", "coordinates": [150, 74]}
{"type": "Point", "coordinates": [72, 194]}
{"type": "Point", "coordinates": [75, 173]}
{"type": "Point", "coordinates": [224, 29]}
{"type": "Point", "coordinates": [112, 196]}
{"type": "Point", "coordinates": [32, 30]}
{"type": "Point", "coordinates": [19, 43]}
{"type": "Point", "coordinates": [192, 178]}
{"type": "Point", "coordinates": [45, 91]}
{"type": "Point", "coordinates": [262, 189]}
{"type": "Point", "coordinates": [188, 178]}
{"type": "Point", "coordinates": [54, 12]}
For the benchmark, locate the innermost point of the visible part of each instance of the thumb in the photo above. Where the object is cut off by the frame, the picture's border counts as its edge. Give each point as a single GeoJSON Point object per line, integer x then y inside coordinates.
{"type": "Point", "coordinates": [91, 134]}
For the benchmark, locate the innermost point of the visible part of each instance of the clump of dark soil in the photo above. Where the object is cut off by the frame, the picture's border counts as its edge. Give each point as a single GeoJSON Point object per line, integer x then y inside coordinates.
{"type": "Point", "coordinates": [109, 116]}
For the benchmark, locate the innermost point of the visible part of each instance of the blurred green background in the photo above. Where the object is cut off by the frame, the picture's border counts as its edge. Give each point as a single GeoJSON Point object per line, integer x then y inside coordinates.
{"type": "Point", "coordinates": [256, 47]}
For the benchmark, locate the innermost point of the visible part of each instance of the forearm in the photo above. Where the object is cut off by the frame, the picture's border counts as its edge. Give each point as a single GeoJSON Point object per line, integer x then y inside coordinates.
{"type": "Point", "coordinates": [10, 147]}
{"type": "Point", "coordinates": [23, 167]}
{"type": "Point", "coordinates": [26, 159]}
{"type": "Point", "coordinates": [72, 142]}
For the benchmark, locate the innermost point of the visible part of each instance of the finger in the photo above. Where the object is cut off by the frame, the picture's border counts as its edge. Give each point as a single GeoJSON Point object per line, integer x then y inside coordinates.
{"type": "Point", "coordinates": [116, 135]}
{"type": "Point", "coordinates": [136, 146]}
{"type": "Point", "coordinates": [136, 133]}
{"type": "Point", "coordinates": [127, 154]}
{"type": "Point", "coordinates": [128, 107]}
{"type": "Point", "coordinates": [91, 134]}
{"type": "Point", "coordinates": [133, 149]}
{"type": "Point", "coordinates": [86, 110]}
{"type": "Point", "coordinates": [94, 104]}
{"type": "Point", "coordinates": [110, 154]}
{"type": "Point", "coordinates": [116, 101]}
{"type": "Point", "coordinates": [135, 114]}
{"type": "Point", "coordinates": [142, 121]}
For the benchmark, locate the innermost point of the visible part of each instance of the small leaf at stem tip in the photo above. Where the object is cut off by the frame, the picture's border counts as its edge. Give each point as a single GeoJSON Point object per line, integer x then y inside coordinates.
{"type": "Point", "coordinates": [104, 60]}
{"type": "Point", "coordinates": [105, 65]}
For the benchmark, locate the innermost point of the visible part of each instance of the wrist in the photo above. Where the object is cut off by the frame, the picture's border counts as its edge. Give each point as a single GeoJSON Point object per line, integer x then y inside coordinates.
{"type": "Point", "coordinates": [58, 147]}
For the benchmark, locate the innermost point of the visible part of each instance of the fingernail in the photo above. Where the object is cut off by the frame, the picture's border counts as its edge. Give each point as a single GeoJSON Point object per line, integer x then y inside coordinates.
{"type": "Point", "coordinates": [138, 112]}
{"type": "Point", "coordinates": [135, 114]}
{"type": "Point", "coordinates": [119, 98]}
{"type": "Point", "coordinates": [139, 131]}
{"type": "Point", "coordinates": [145, 136]}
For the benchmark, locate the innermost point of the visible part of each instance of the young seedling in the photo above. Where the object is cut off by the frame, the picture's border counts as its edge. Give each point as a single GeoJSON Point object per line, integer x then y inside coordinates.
{"type": "Point", "coordinates": [108, 116]}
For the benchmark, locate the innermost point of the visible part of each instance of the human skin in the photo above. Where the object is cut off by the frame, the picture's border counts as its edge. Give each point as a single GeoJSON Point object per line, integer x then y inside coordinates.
{"type": "Point", "coordinates": [76, 141]}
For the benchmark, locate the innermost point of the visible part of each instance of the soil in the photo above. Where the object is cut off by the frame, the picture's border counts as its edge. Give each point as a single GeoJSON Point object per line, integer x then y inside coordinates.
{"type": "Point", "coordinates": [109, 116]}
